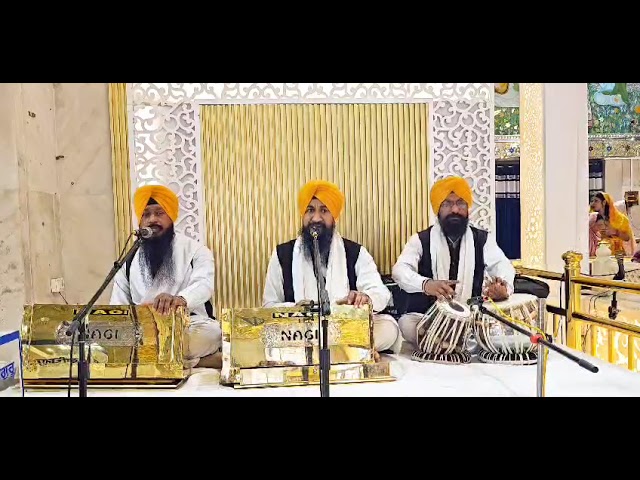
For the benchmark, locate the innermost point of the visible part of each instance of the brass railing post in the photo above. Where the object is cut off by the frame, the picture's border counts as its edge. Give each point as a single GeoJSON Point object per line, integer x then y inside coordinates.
{"type": "Point", "coordinates": [573, 297]}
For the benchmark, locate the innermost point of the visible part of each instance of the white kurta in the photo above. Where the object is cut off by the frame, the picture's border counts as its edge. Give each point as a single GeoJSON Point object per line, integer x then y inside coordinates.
{"type": "Point", "coordinates": [405, 271]}
{"type": "Point", "coordinates": [193, 279]}
{"type": "Point", "coordinates": [305, 286]}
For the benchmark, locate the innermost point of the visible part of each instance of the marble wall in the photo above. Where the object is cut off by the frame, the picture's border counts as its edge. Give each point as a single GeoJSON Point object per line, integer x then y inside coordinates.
{"type": "Point", "coordinates": [37, 162]}
{"type": "Point", "coordinates": [56, 208]}
{"type": "Point", "coordinates": [85, 187]}
{"type": "Point", "coordinates": [12, 271]}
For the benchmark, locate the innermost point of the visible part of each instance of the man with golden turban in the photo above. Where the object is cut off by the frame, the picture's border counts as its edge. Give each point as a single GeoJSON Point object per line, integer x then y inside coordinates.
{"type": "Point", "coordinates": [607, 222]}
{"type": "Point", "coordinates": [171, 270]}
{"type": "Point", "coordinates": [351, 275]}
{"type": "Point", "coordinates": [449, 259]}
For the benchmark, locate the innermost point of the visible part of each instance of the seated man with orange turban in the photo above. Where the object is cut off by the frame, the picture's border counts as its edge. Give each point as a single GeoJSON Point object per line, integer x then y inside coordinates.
{"type": "Point", "coordinates": [351, 275]}
{"type": "Point", "coordinates": [449, 259]}
{"type": "Point", "coordinates": [171, 270]}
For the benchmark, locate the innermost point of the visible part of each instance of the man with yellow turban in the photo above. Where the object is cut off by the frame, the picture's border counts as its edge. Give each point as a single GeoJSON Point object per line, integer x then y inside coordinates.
{"type": "Point", "coordinates": [350, 273]}
{"type": "Point", "coordinates": [171, 270]}
{"type": "Point", "coordinates": [449, 259]}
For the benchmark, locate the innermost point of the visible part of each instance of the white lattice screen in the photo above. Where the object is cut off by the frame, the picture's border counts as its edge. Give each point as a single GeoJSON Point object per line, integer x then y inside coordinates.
{"type": "Point", "coordinates": [165, 132]}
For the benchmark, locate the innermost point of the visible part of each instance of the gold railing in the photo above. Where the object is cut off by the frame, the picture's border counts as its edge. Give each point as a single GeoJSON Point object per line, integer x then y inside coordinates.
{"type": "Point", "coordinates": [582, 327]}
{"type": "Point", "coordinates": [534, 272]}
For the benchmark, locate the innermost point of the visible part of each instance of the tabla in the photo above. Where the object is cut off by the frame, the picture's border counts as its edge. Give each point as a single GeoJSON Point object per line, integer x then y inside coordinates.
{"type": "Point", "coordinates": [443, 332]}
{"type": "Point", "coordinates": [500, 343]}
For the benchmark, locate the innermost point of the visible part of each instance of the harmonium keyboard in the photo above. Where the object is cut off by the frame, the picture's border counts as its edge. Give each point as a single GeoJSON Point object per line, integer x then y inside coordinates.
{"type": "Point", "coordinates": [128, 346]}
{"type": "Point", "coordinates": [271, 347]}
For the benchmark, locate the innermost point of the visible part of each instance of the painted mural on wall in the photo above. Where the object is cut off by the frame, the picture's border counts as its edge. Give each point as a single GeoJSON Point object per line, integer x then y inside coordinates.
{"type": "Point", "coordinates": [507, 121]}
{"type": "Point", "coordinates": [507, 94]}
{"type": "Point", "coordinates": [614, 108]}
{"type": "Point", "coordinates": [507, 111]}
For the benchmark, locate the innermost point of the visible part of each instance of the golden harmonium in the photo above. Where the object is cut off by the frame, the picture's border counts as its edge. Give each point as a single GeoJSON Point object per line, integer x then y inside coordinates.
{"type": "Point", "coordinates": [280, 347]}
{"type": "Point", "coordinates": [126, 346]}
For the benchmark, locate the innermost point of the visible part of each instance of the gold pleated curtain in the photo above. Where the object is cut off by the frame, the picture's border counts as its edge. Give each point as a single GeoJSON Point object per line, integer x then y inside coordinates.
{"type": "Point", "coordinates": [257, 157]}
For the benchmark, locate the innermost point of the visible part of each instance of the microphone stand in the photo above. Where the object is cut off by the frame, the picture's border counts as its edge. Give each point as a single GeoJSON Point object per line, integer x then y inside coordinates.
{"type": "Point", "coordinates": [80, 321]}
{"type": "Point", "coordinates": [613, 308]}
{"type": "Point", "coordinates": [536, 339]}
{"type": "Point", "coordinates": [323, 310]}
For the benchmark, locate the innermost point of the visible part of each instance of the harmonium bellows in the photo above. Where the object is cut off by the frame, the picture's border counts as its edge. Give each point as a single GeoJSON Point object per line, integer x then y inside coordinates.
{"type": "Point", "coordinates": [263, 347]}
{"type": "Point", "coordinates": [126, 346]}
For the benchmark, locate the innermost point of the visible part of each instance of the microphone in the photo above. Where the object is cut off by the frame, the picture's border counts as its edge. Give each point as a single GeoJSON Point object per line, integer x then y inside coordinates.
{"type": "Point", "coordinates": [144, 232]}
{"type": "Point", "coordinates": [314, 230]}
{"type": "Point", "coordinates": [475, 301]}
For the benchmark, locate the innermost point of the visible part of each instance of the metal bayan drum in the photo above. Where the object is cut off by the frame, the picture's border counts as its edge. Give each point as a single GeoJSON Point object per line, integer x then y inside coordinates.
{"type": "Point", "coordinates": [500, 343]}
{"type": "Point", "coordinates": [443, 332]}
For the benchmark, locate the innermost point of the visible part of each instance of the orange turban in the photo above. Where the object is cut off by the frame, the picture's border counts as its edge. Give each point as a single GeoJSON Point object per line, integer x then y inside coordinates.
{"type": "Point", "coordinates": [327, 192]}
{"type": "Point", "coordinates": [443, 188]}
{"type": "Point", "coordinates": [164, 196]}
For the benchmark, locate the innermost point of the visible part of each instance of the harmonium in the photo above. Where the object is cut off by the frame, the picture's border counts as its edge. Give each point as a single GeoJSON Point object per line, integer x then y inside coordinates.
{"type": "Point", "coordinates": [272, 347]}
{"type": "Point", "coordinates": [126, 346]}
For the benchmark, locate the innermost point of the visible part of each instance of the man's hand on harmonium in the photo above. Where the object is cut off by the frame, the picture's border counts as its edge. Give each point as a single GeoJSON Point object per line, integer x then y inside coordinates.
{"type": "Point", "coordinates": [357, 299]}
{"type": "Point", "coordinates": [165, 303]}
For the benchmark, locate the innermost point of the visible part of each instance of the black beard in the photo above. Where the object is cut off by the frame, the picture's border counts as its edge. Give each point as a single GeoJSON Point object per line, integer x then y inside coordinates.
{"type": "Point", "coordinates": [325, 236]}
{"type": "Point", "coordinates": [156, 257]}
{"type": "Point", "coordinates": [454, 225]}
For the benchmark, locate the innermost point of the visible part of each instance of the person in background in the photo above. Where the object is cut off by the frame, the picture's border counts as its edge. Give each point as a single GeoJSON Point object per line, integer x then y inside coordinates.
{"type": "Point", "coordinates": [607, 222]}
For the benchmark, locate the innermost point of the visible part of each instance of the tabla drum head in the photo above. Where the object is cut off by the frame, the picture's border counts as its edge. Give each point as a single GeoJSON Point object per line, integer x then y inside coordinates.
{"type": "Point", "coordinates": [455, 308]}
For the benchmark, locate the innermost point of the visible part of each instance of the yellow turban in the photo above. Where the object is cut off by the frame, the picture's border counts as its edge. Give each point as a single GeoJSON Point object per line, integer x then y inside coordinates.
{"type": "Point", "coordinates": [327, 192]}
{"type": "Point", "coordinates": [443, 188]}
{"type": "Point", "coordinates": [164, 196]}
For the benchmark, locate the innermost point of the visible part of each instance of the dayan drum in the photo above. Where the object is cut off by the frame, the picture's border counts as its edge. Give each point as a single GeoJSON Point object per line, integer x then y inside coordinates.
{"type": "Point", "coordinates": [443, 332]}
{"type": "Point", "coordinates": [500, 343]}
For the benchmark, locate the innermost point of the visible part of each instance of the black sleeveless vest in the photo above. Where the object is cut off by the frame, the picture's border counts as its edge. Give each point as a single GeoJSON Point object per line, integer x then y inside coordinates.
{"type": "Point", "coordinates": [285, 256]}
{"type": "Point", "coordinates": [419, 302]}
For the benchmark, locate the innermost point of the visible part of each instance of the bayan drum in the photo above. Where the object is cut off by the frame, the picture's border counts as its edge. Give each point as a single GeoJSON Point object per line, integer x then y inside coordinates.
{"type": "Point", "coordinates": [500, 343]}
{"type": "Point", "coordinates": [443, 332]}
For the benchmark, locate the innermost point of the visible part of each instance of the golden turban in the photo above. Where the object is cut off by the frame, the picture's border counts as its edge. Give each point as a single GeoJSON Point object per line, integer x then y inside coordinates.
{"type": "Point", "coordinates": [164, 196]}
{"type": "Point", "coordinates": [327, 192]}
{"type": "Point", "coordinates": [443, 188]}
